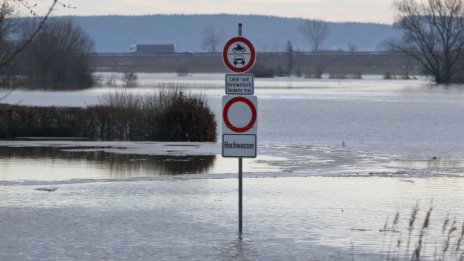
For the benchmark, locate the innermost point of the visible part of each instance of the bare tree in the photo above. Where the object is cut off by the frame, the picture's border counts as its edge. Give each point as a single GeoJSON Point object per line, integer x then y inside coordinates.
{"type": "Point", "coordinates": [352, 48]}
{"type": "Point", "coordinates": [433, 34]}
{"type": "Point", "coordinates": [315, 32]}
{"type": "Point", "coordinates": [8, 26]}
{"type": "Point", "coordinates": [290, 58]}
{"type": "Point", "coordinates": [212, 37]}
{"type": "Point", "coordinates": [59, 56]}
{"type": "Point", "coordinates": [8, 9]}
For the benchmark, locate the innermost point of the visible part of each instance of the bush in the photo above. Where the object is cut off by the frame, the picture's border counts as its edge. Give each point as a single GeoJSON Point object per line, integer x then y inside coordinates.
{"type": "Point", "coordinates": [130, 79]}
{"type": "Point", "coordinates": [182, 71]}
{"type": "Point", "coordinates": [261, 71]}
{"type": "Point", "coordinates": [168, 116]}
{"type": "Point", "coordinates": [22, 121]}
{"type": "Point", "coordinates": [313, 75]}
{"type": "Point", "coordinates": [186, 118]}
{"type": "Point", "coordinates": [341, 75]}
{"type": "Point", "coordinates": [389, 76]}
{"type": "Point", "coordinates": [393, 76]}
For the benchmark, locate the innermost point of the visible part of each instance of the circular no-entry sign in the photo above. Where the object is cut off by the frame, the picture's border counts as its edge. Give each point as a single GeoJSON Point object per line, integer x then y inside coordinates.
{"type": "Point", "coordinates": [230, 108]}
{"type": "Point", "coordinates": [239, 54]}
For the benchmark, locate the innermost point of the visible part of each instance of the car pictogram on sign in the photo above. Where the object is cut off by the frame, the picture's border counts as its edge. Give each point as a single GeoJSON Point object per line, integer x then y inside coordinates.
{"type": "Point", "coordinates": [239, 54]}
{"type": "Point", "coordinates": [239, 59]}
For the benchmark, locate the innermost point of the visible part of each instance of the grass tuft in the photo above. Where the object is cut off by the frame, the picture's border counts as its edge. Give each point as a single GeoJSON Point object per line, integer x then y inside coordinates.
{"type": "Point", "coordinates": [445, 242]}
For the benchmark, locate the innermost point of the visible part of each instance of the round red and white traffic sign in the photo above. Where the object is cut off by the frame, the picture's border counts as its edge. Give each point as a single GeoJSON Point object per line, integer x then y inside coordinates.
{"type": "Point", "coordinates": [239, 114]}
{"type": "Point", "coordinates": [239, 54]}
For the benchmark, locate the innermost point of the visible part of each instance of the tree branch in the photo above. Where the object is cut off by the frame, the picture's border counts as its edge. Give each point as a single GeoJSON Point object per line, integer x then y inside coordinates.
{"type": "Point", "coordinates": [7, 59]}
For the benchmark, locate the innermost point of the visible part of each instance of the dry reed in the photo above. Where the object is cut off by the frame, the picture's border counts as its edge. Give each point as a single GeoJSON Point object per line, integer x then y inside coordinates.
{"type": "Point", "coordinates": [427, 242]}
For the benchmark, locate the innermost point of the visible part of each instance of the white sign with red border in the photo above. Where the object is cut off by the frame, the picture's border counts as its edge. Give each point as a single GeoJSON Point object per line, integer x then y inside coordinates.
{"type": "Point", "coordinates": [239, 54]}
{"type": "Point", "coordinates": [239, 126]}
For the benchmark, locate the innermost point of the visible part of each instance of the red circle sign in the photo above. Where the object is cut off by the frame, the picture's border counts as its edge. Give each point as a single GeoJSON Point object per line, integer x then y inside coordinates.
{"type": "Point", "coordinates": [239, 54]}
{"type": "Point", "coordinates": [225, 115]}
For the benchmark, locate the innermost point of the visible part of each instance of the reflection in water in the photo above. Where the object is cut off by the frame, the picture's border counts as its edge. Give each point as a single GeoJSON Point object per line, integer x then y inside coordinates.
{"type": "Point", "coordinates": [239, 249]}
{"type": "Point", "coordinates": [120, 165]}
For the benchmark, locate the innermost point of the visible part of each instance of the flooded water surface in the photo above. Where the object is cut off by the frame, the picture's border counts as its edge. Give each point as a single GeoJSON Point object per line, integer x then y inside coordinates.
{"type": "Point", "coordinates": [337, 161]}
{"type": "Point", "coordinates": [284, 218]}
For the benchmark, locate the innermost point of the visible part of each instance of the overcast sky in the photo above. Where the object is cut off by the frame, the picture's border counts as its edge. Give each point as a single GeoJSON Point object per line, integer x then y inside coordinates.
{"type": "Point", "coordinates": [330, 10]}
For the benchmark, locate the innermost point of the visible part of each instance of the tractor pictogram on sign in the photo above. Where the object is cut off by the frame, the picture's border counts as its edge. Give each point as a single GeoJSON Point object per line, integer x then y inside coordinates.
{"type": "Point", "coordinates": [239, 48]}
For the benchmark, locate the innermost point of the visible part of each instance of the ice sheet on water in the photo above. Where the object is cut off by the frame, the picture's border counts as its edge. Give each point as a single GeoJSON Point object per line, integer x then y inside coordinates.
{"type": "Point", "coordinates": [50, 169]}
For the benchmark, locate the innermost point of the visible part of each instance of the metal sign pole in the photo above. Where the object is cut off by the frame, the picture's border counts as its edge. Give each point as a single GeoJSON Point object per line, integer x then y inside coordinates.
{"type": "Point", "coordinates": [240, 197]}
{"type": "Point", "coordinates": [240, 176]}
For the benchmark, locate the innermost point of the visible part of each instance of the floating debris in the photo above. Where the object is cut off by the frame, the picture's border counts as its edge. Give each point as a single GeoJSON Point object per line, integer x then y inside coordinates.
{"type": "Point", "coordinates": [46, 189]}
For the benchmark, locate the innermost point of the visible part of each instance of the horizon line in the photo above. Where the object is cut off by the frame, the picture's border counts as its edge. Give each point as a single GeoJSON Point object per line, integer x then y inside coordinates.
{"type": "Point", "coordinates": [217, 14]}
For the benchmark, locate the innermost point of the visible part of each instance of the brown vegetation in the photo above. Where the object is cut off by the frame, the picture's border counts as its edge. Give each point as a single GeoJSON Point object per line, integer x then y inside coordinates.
{"type": "Point", "coordinates": [168, 116]}
{"type": "Point", "coordinates": [418, 242]}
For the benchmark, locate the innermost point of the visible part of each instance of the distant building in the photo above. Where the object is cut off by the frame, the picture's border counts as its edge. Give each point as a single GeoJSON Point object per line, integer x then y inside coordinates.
{"type": "Point", "coordinates": [152, 48]}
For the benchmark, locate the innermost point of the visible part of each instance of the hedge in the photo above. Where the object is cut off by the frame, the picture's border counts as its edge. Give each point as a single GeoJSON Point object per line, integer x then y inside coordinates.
{"type": "Point", "coordinates": [175, 118]}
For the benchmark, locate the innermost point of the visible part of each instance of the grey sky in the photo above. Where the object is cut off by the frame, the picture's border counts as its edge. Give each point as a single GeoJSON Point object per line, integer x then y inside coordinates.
{"type": "Point", "coordinates": [332, 10]}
